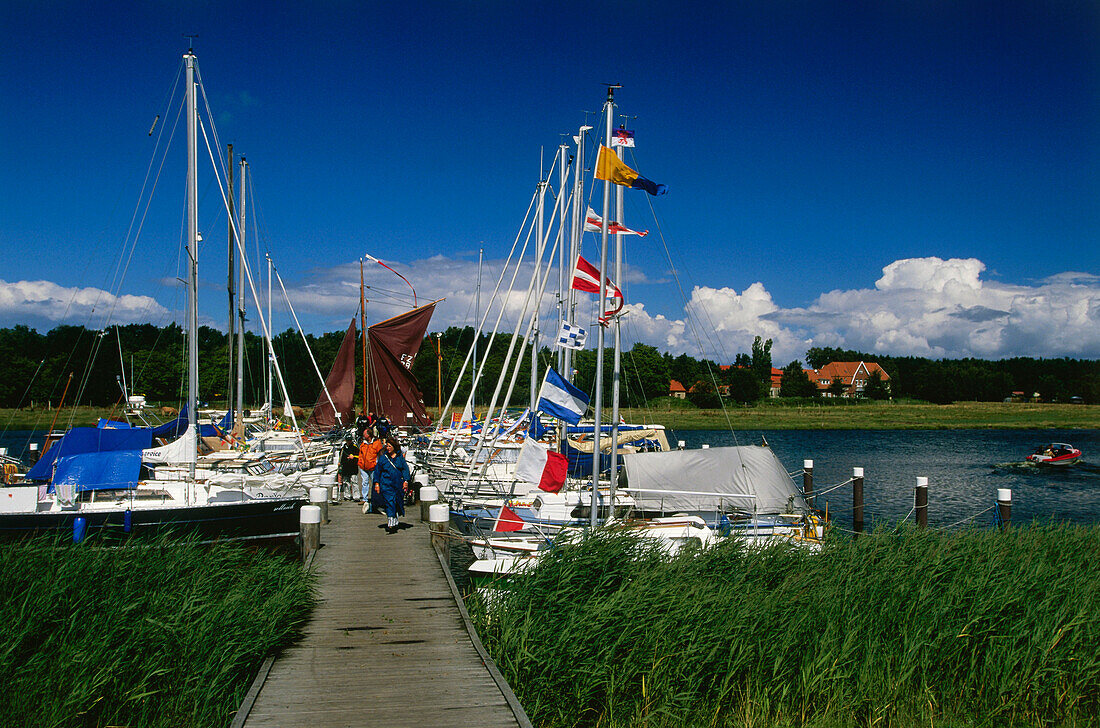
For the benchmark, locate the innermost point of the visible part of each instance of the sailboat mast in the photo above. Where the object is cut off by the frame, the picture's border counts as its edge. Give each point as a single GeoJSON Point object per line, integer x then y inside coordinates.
{"type": "Point", "coordinates": [616, 366]}
{"type": "Point", "coordinates": [575, 232]}
{"type": "Point", "coordinates": [192, 260]}
{"type": "Point", "coordinates": [229, 284]}
{"type": "Point", "coordinates": [270, 391]}
{"type": "Point", "coordinates": [238, 416]}
{"type": "Point", "coordinates": [540, 224]}
{"type": "Point", "coordinates": [562, 175]}
{"type": "Point", "coordinates": [363, 328]}
{"type": "Point", "coordinates": [601, 302]}
{"type": "Point", "coordinates": [477, 328]}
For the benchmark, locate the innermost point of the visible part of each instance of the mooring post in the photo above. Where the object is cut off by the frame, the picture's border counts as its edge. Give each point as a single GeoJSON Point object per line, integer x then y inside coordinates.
{"type": "Point", "coordinates": [920, 501]}
{"type": "Point", "coordinates": [808, 481]}
{"type": "Point", "coordinates": [318, 496]}
{"type": "Point", "coordinates": [429, 496]}
{"type": "Point", "coordinates": [328, 482]}
{"type": "Point", "coordinates": [309, 530]}
{"type": "Point", "coordinates": [1004, 506]}
{"type": "Point", "coordinates": [857, 500]}
{"type": "Point", "coordinates": [34, 453]}
{"type": "Point", "coordinates": [439, 519]}
{"type": "Point", "coordinates": [420, 481]}
{"type": "Point", "coordinates": [680, 444]}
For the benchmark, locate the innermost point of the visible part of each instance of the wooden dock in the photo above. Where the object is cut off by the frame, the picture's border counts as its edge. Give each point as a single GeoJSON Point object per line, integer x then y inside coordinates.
{"type": "Point", "coordinates": [387, 645]}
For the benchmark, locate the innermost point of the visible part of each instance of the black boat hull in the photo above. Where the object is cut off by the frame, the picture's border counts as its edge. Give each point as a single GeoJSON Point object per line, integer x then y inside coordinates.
{"type": "Point", "coordinates": [269, 519]}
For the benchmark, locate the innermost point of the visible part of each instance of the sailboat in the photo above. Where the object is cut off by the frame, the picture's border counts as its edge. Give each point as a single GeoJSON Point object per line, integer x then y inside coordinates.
{"type": "Point", "coordinates": [675, 496]}
{"type": "Point", "coordinates": [112, 480]}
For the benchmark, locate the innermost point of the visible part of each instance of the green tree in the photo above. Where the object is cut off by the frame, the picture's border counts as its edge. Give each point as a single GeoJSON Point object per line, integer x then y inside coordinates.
{"type": "Point", "coordinates": [795, 383]}
{"type": "Point", "coordinates": [645, 374]}
{"type": "Point", "coordinates": [744, 386]}
{"type": "Point", "coordinates": [704, 395]}
{"type": "Point", "coordinates": [762, 359]}
{"type": "Point", "coordinates": [875, 387]}
{"type": "Point", "coordinates": [836, 387]}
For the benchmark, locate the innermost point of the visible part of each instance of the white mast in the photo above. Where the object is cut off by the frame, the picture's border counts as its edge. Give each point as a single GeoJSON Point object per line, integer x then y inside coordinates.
{"type": "Point", "coordinates": [539, 245]}
{"type": "Point", "coordinates": [616, 366]}
{"type": "Point", "coordinates": [575, 233]}
{"type": "Point", "coordinates": [477, 330]}
{"type": "Point", "coordinates": [270, 398]}
{"type": "Point", "coordinates": [601, 302]}
{"type": "Point", "coordinates": [192, 263]}
{"type": "Point", "coordinates": [238, 417]}
{"type": "Point", "coordinates": [562, 174]}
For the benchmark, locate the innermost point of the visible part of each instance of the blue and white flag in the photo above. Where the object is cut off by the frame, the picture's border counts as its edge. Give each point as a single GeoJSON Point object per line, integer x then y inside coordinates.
{"type": "Point", "coordinates": [561, 399]}
{"type": "Point", "coordinates": [571, 336]}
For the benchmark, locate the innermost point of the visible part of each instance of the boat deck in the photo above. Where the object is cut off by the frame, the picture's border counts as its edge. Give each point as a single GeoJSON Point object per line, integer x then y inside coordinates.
{"type": "Point", "coordinates": [387, 644]}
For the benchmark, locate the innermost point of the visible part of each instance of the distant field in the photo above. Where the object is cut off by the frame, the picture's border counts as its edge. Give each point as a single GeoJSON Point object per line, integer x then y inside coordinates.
{"type": "Point", "coordinates": [684, 416]}
{"type": "Point", "coordinates": [876, 416]}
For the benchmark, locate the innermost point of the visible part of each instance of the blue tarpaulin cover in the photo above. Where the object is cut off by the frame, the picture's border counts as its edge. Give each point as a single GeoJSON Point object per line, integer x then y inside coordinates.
{"type": "Point", "coordinates": [91, 458]}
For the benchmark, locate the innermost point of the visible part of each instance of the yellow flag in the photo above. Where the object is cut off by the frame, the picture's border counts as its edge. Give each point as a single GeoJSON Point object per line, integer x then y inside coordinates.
{"type": "Point", "coordinates": [609, 167]}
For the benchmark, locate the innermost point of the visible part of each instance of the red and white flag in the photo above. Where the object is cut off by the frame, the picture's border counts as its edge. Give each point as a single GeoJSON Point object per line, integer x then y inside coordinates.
{"type": "Point", "coordinates": [586, 278]}
{"type": "Point", "coordinates": [540, 465]}
{"type": "Point", "coordinates": [508, 520]}
{"type": "Point", "coordinates": [593, 223]}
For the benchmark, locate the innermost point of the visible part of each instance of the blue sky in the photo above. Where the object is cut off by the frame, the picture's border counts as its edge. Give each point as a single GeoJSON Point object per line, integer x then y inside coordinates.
{"type": "Point", "coordinates": [905, 178]}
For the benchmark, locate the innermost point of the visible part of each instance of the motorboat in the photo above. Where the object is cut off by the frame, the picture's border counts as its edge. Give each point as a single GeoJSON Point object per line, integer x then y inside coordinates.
{"type": "Point", "coordinates": [1055, 453]}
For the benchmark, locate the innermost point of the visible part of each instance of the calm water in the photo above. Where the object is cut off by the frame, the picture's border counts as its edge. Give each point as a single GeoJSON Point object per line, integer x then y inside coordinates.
{"type": "Point", "coordinates": [964, 470]}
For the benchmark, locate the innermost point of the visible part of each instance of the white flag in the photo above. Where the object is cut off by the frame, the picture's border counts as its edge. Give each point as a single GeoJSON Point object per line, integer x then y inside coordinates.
{"type": "Point", "coordinates": [571, 336]}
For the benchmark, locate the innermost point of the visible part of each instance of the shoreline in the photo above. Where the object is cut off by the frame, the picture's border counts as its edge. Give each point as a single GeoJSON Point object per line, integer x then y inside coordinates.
{"type": "Point", "coordinates": [768, 416]}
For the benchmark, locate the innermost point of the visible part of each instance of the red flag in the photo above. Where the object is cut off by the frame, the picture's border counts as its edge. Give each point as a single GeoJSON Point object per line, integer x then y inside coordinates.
{"type": "Point", "coordinates": [508, 520]}
{"type": "Point", "coordinates": [586, 278]}
{"type": "Point", "coordinates": [554, 472]}
{"type": "Point", "coordinates": [593, 223]}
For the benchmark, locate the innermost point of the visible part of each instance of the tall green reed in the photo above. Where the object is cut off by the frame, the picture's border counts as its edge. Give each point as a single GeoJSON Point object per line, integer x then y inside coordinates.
{"type": "Point", "coordinates": [899, 628]}
{"type": "Point", "coordinates": [167, 633]}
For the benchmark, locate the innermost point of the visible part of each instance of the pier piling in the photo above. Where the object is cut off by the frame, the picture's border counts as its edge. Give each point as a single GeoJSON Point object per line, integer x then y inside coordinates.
{"type": "Point", "coordinates": [920, 501]}
{"type": "Point", "coordinates": [808, 481]}
{"type": "Point", "coordinates": [318, 496]}
{"type": "Point", "coordinates": [439, 519]}
{"type": "Point", "coordinates": [1004, 507]}
{"type": "Point", "coordinates": [309, 530]}
{"type": "Point", "coordinates": [857, 500]}
{"type": "Point", "coordinates": [429, 496]}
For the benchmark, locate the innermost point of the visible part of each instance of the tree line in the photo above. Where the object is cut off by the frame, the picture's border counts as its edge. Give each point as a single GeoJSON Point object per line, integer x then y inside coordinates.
{"type": "Point", "coordinates": [152, 362]}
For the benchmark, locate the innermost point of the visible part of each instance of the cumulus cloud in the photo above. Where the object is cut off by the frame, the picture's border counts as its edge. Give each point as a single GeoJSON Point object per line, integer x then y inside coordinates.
{"type": "Point", "coordinates": [39, 303]}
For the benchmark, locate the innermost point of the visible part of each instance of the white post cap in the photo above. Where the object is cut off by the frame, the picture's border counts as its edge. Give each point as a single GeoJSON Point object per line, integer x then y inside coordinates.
{"type": "Point", "coordinates": [857, 472]}
{"type": "Point", "coordinates": [429, 494]}
{"type": "Point", "coordinates": [3, 451]}
{"type": "Point", "coordinates": [922, 482]}
{"type": "Point", "coordinates": [706, 447]}
{"type": "Point", "coordinates": [1004, 495]}
{"type": "Point", "coordinates": [439, 512]}
{"type": "Point", "coordinates": [421, 478]}
{"type": "Point", "coordinates": [309, 514]}
{"type": "Point", "coordinates": [318, 494]}
{"type": "Point", "coordinates": [807, 464]}
{"type": "Point", "coordinates": [328, 479]}
{"type": "Point", "coordinates": [681, 444]}
{"type": "Point", "coordinates": [34, 447]}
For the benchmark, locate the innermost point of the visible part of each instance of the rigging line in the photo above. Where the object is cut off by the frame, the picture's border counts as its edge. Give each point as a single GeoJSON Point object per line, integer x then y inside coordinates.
{"type": "Point", "coordinates": [478, 329]}
{"type": "Point", "coordinates": [691, 322]}
{"type": "Point", "coordinates": [309, 350]}
{"type": "Point", "coordinates": [22, 399]}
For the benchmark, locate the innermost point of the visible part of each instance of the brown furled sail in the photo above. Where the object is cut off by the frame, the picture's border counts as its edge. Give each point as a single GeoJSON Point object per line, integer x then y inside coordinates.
{"type": "Point", "coordinates": [341, 387]}
{"type": "Point", "coordinates": [393, 346]}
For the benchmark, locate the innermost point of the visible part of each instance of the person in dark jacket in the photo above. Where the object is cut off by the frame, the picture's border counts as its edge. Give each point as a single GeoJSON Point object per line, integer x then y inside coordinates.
{"type": "Point", "coordinates": [349, 468]}
{"type": "Point", "coordinates": [391, 482]}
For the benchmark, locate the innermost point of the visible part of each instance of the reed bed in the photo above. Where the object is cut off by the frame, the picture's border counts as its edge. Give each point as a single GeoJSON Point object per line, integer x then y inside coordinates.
{"type": "Point", "coordinates": [168, 633]}
{"type": "Point", "coordinates": [903, 627]}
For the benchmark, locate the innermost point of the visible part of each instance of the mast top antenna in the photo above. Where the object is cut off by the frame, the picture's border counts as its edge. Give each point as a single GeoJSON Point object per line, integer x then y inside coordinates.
{"type": "Point", "coordinates": [611, 90]}
{"type": "Point", "coordinates": [190, 41]}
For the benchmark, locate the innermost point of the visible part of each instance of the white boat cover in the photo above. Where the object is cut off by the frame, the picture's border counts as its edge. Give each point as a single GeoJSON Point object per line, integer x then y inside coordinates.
{"type": "Point", "coordinates": [733, 474]}
{"type": "Point", "coordinates": [182, 450]}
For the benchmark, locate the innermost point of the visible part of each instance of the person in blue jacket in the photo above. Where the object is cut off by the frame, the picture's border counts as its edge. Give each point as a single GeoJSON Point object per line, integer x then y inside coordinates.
{"type": "Point", "coordinates": [391, 482]}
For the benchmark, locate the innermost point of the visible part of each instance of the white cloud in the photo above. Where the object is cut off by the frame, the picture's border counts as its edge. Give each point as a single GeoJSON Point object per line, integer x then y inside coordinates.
{"type": "Point", "coordinates": [46, 303]}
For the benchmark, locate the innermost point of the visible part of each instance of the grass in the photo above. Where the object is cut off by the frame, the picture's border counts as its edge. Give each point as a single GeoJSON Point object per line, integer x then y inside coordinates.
{"type": "Point", "coordinates": [162, 634]}
{"type": "Point", "coordinates": [682, 415]}
{"type": "Point", "coordinates": [898, 629]}
{"type": "Point", "coordinates": [871, 416]}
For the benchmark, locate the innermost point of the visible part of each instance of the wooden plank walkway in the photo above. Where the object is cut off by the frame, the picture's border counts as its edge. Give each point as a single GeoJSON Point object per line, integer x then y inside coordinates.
{"type": "Point", "coordinates": [386, 645]}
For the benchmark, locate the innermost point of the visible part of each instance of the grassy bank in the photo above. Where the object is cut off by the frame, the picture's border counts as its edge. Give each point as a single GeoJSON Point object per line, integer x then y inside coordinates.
{"type": "Point", "coordinates": [681, 415]}
{"type": "Point", "coordinates": [163, 634]}
{"type": "Point", "coordinates": [871, 416]}
{"type": "Point", "coordinates": [900, 629]}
